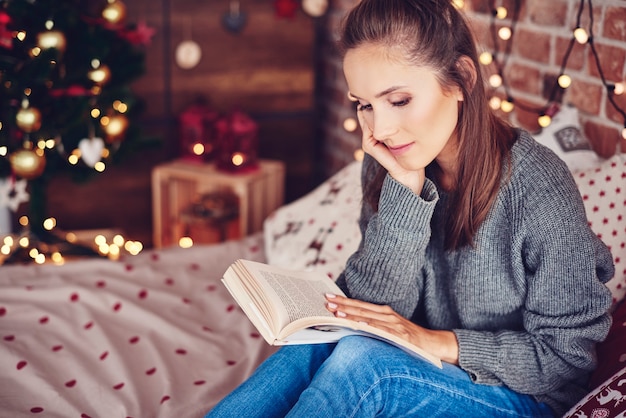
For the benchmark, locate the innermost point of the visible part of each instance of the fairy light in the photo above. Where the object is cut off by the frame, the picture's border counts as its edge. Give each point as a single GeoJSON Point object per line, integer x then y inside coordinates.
{"type": "Point", "coordinates": [359, 155]}
{"type": "Point", "coordinates": [237, 159]}
{"type": "Point", "coordinates": [495, 102]}
{"type": "Point", "coordinates": [581, 35]}
{"type": "Point", "coordinates": [501, 12]}
{"type": "Point", "coordinates": [505, 33]}
{"type": "Point", "coordinates": [507, 106]}
{"type": "Point", "coordinates": [198, 149]}
{"type": "Point", "coordinates": [49, 224]}
{"type": "Point", "coordinates": [544, 121]}
{"type": "Point", "coordinates": [564, 81]}
{"type": "Point", "coordinates": [495, 80]}
{"type": "Point", "coordinates": [486, 58]}
{"type": "Point", "coordinates": [350, 124]}
{"type": "Point", "coordinates": [185, 242]}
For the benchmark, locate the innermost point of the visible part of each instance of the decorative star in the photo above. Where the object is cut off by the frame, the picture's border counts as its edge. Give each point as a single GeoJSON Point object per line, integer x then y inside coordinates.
{"type": "Point", "coordinates": [12, 193]}
{"type": "Point", "coordinates": [141, 35]}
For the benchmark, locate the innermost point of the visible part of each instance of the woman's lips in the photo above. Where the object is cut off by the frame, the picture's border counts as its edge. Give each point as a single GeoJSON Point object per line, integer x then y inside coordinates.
{"type": "Point", "coordinates": [399, 150]}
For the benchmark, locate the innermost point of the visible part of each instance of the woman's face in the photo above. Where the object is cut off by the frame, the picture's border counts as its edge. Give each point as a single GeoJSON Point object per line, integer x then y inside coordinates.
{"type": "Point", "coordinates": [404, 106]}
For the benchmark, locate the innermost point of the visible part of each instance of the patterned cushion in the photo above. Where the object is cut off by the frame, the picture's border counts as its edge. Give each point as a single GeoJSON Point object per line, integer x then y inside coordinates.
{"type": "Point", "coordinates": [320, 230]}
{"type": "Point", "coordinates": [565, 137]}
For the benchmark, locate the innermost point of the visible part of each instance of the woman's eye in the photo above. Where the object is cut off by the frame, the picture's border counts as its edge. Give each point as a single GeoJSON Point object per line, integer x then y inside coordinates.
{"type": "Point", "coordinates": [362, 107]}
{"type": "Point", "coordinates": [401, 103]}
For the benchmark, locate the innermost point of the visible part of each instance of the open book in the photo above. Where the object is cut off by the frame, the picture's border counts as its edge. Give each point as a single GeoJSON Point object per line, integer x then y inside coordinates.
{"type": "Point", "coordinates": [288, 307]}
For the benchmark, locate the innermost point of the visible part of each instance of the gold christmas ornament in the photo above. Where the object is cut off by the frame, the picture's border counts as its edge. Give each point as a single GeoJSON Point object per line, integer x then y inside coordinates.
{"type": "Point", "coordinates": [51, 39]}
{"type": "Point", "coordinates": [28, 164]}
{"type": "Point", "coordinates": [114, 12]}
{"type": "Point", "coordinates": [28, 119]}
{"type": "Point", "coordinates": [100, 75]}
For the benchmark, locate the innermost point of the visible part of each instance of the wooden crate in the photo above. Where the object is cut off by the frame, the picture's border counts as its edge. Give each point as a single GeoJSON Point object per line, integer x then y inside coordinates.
{"type": "Point", "coordinates": [178, 184]}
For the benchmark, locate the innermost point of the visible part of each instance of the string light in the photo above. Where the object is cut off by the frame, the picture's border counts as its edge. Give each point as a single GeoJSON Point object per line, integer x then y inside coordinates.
{"type": "Point", "coordinates": [563, 81]}
{"type": "Point", "coordinates": [40, 252]}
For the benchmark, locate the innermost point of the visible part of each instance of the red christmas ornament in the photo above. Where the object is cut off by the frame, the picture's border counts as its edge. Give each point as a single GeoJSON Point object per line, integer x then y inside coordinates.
{"type": "Point", "coordinates": [6, 36]}
{"type": "Point", "coordinates": [285, 8]}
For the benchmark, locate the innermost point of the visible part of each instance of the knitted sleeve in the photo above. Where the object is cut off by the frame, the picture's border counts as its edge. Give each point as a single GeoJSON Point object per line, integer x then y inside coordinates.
{"type": "Point", "coordinates": [386, 267]}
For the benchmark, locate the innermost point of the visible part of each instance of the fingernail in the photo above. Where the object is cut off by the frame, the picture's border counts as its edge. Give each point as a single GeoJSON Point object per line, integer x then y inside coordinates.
{"type": "Point", "coordinates": [341, 314]}
{"type": "Point", "coordinates": [331, 295]}
{"type": "Point", "coordinates": [331, 305]}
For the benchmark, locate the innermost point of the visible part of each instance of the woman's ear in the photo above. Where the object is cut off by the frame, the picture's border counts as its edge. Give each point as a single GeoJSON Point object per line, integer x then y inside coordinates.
{"type": "Point", "coordinates": [467, 71]}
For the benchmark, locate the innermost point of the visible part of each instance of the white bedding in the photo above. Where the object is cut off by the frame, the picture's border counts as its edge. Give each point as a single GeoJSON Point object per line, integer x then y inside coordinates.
{"type": "Point", "coordinates": [156, 335]}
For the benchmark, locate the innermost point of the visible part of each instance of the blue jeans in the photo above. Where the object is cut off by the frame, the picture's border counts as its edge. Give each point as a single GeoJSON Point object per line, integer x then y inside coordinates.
{"type": "Point", "coordinates": [364, 377]}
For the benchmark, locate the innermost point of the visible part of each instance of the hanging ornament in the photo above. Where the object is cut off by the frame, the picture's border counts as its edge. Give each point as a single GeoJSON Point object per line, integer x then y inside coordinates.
{"type": "Point", "coordinates": [12, 193]}
{"type": "Point", "coordinates": [285, 8]}
{"type": "Point", "coordinates": [234, 19]}
{"type": "Point", "coordinates": [188, 54]}
{"type": "Point", "coordinates": [91, 150]}
{"type": "Point", "coordinates": [6, 36]}
{"type": "Point", "coordinates": [28, 164]}
{"type": "Point", "coordinates": [315, 8]}
{"type": "Point", "coordinates": [28, 118]}
{"type": "Point", "coordinates": [114, 12]}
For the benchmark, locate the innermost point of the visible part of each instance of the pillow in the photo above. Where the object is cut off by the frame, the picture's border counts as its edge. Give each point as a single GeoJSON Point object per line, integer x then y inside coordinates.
{"type": "Point", "coordinates": [565, 137]}
{"type": "Point", "coordinates": [320, 230]}
{"type": "Point", "coordinates": [604, 194]}
{"type": "Point", "coordinates": [605, 401]}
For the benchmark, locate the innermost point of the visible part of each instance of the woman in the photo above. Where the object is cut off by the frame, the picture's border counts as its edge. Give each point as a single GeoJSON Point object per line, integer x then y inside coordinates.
{"type": "Point", "coordinates": [475, 247]}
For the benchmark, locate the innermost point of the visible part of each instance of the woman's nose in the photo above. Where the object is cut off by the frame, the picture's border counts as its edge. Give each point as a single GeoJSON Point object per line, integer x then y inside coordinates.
{"type": "Point", "coordinates": [382, 126]}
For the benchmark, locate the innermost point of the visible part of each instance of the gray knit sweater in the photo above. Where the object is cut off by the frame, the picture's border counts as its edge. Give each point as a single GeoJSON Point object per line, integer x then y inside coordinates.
{"type": "Point", "coordinates": [527, 302]}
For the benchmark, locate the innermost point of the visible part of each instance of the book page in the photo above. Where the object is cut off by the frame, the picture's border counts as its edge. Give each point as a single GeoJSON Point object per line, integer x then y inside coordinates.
{"type": "Point", "coordinates": [301, 293]}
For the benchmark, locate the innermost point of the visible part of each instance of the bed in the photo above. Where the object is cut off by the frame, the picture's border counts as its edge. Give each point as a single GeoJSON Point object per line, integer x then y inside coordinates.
{"type": "Point", "coordinates": [157, 335]}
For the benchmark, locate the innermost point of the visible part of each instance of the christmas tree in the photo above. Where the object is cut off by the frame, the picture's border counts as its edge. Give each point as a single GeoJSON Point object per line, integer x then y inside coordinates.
{"type": "Point", "coordinates": [65, 100]}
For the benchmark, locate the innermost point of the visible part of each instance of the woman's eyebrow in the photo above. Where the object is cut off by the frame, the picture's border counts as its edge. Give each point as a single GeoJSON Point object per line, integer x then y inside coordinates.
{"type": "Point", "coordinates": [379, 95]}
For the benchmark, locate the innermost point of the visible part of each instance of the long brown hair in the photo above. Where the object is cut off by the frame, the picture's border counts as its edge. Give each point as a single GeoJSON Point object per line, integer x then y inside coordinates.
{"type": "Point", "coordinates": [435, 35]}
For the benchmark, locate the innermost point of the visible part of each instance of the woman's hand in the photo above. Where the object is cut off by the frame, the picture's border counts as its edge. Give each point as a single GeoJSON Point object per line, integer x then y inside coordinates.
{"type": "Point", "coordinates": [413, 179]}
{"type": "Point", "coordinates": [442, 344]}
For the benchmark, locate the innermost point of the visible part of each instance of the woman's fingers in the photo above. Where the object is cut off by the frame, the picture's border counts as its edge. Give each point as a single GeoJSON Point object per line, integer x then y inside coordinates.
{"type": "Point", "coordinates": [359, 310]}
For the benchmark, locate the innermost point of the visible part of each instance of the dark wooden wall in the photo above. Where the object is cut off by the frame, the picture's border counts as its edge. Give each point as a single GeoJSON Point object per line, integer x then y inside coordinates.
{"type": "Point", "coordinates": [266, 70]}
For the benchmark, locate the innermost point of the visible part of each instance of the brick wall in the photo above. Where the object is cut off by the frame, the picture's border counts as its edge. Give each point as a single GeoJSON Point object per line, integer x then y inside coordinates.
{"type": "Point", "coordinates": [541, 37]}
